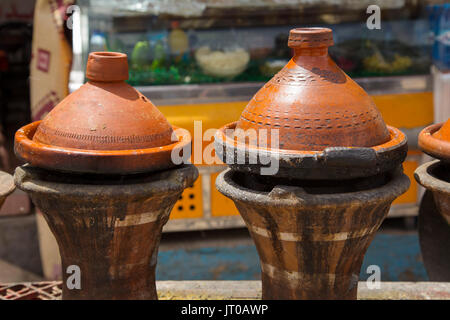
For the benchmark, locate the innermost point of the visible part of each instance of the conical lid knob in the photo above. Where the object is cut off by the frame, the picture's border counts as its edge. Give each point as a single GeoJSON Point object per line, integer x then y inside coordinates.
{"type": "Point", "coordinates": [313, 103]}
{"type": "Point", "coordinates": [105, 113]}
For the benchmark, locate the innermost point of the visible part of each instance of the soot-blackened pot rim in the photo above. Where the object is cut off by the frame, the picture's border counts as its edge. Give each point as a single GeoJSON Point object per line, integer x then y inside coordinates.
{"type": "Point", "coordinates": [423, 175]}
{"type": "Point", "coordinates": [283, 196]}
{"type": "Point", "coordinates": [432, 146]}
{"type": "Point", "coordinates": [397, 138]}
{"type": "Point", "coordinates": [95, 161]}
{"type": "Point", "coordinates": [36, 180]}
{"type": "Point", "coordinates": [331, 163]}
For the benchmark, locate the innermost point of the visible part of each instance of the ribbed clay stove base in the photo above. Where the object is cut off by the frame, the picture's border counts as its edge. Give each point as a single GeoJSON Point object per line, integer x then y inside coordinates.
{"type": "Point", "coordinates": [311, 241]}
{"type": "Point", "coordinates": [434, 219]}
{"type": "Point", "coordinates": [108, 226]}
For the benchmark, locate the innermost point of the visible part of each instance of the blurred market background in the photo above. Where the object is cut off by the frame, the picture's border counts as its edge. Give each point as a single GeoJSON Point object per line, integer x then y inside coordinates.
{"type": "Point", "coordinates": [203, 60]}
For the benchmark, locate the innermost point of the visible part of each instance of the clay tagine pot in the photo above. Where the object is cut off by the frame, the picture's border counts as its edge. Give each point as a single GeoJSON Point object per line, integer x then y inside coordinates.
{"type": "Point", "coordinates": [435, 176]}
{"type": "Point", "coordinates": [106, 126]}
{"type": "Point", "coordinates": [6, 186]}
{"type": "Point", "coordinates": [107, 212]}
{"type": "Point", "coordinates": [328, 126]}
{"type": "Point", "coordinates": [339, 171]}
{"type": "Point", "coordinates": [434, 213]}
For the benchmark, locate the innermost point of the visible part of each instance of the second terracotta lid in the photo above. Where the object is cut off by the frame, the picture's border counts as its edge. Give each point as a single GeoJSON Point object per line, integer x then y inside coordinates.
{"type": "Point", "coordinates": [435, 140]}
{"type": "Point", "coordinates": [313, 103]}
{"type": "Point", "coordinates": [105, 113]}
{"type": "Point", "coordinates": [444, 132]}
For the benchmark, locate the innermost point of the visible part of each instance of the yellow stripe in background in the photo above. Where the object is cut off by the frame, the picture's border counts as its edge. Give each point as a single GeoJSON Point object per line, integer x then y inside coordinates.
{"type": "Point", "coordinates": [406, 110]}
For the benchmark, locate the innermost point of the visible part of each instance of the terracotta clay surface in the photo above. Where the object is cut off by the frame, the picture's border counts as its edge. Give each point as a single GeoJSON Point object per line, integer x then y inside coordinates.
{"type": "Point", "coordinates": [435, 140]}
{"type": "Point", "coordinates": [110, 227]}
{"type": "Point", "coordinates": [311, 239]}
{"type": "Point", "coordinates": [105, 114]}
{"type": "Point", "coordinates": [313, 103]}
{"type": "Point", "coordinates": [444, 132]}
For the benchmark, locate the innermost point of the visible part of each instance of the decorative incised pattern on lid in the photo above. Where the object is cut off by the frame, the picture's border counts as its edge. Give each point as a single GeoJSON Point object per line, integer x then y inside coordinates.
{"type": "Point", "coordinates": [298, 77]}
{"type": "Point", "coordinates": [316, 121]}
{"type": "Point", "coordinates": [103, 139]}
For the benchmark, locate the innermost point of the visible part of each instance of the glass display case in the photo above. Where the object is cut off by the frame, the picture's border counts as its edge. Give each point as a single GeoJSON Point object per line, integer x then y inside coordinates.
{"type": "Point", "coordinates": [205, 41]}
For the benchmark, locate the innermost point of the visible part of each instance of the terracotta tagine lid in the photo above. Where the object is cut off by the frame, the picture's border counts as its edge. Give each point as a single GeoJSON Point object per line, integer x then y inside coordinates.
{"type": "Point", "coordinates": [313, 103]}
{"type": "Point", "coordinates": [435, 141]}
{"type": "Point", "coordinates": [315, 106]}
{"type": "Point", "coordinates": [106, 126]}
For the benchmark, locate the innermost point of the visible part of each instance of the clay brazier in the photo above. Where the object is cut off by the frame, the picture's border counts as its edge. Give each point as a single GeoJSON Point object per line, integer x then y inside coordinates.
{"type": "Point", "coordinates": [311, 240]}
{"type": "Point", "coordinates": [434, 213]}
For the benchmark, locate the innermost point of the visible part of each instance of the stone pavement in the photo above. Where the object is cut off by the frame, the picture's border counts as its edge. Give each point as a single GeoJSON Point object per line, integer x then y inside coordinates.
{"type": "Point", "coordinates": [229, 290]}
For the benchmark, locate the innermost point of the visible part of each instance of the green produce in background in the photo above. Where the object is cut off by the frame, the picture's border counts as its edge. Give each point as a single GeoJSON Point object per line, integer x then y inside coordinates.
{"type": "Point", "coordinates": [159, 55]}
{"type": "Point", "coordinates": [141, 55]}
